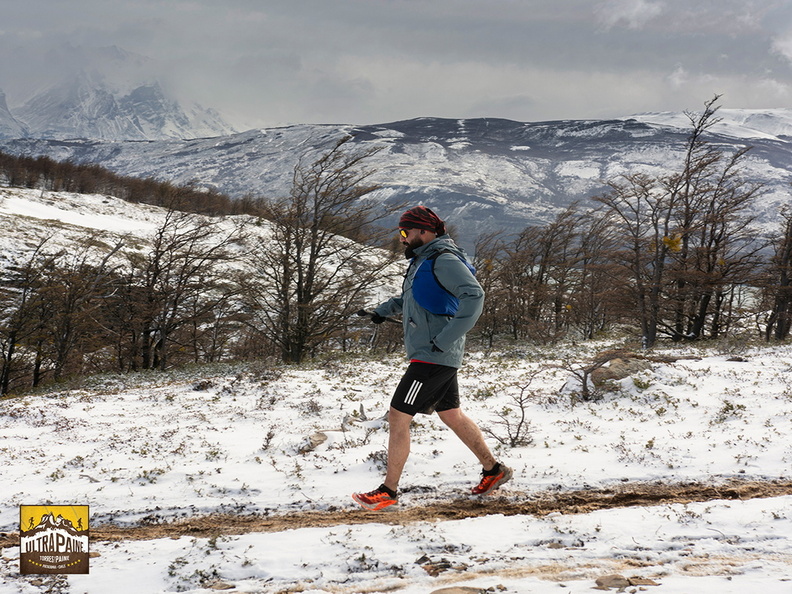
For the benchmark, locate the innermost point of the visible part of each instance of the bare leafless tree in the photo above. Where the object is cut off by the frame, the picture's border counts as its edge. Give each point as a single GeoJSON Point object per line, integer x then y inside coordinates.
{"type": "Point", "coordinates": [18, 326]}
{"type": "Point", "coordinates": [177, 280]}
{"type": "Point", "coordinates": [319, 264]}
{"type": "Point", "coordinates": [68, 299]}
{"type": "Point", "coordinates": [779, 283]}
{"type": "Point", "coordinates": [488, 263]}
{"type": "Point", "coordinates": [686, 239]}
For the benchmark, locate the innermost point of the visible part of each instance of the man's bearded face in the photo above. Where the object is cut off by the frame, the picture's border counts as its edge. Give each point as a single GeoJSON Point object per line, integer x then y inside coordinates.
{"type": "Point", "coordinates": [412, 243]}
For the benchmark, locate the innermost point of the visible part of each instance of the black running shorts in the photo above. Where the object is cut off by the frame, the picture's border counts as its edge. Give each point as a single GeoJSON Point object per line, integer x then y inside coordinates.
{"type": "Point", "coordinates": [425, 388]}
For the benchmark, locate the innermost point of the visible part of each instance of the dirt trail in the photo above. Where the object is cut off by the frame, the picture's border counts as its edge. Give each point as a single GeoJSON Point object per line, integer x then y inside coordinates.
{"type": "Point", "coordinates": [536, 504]}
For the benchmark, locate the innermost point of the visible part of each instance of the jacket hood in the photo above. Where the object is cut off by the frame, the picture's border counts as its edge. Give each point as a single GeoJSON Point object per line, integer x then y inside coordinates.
{"type": "Point", "coordinates": [444, 243]}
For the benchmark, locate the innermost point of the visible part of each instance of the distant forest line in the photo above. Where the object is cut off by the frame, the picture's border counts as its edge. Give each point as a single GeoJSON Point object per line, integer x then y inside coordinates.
{"type": "Point", "coordinates": [45, 173]}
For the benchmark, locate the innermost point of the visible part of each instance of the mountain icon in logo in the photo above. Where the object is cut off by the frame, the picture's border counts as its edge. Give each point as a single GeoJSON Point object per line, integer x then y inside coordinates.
{"type": "Point", "coordinates": [50, 522]}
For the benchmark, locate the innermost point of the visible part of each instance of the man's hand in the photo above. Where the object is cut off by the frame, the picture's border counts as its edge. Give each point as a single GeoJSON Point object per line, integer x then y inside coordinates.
{"type": "Point", "coordinates": [376, 318]}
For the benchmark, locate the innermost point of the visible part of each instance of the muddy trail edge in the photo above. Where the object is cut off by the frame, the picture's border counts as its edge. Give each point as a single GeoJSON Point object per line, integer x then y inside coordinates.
{"type": "Point", "coordinates": [535, 504]}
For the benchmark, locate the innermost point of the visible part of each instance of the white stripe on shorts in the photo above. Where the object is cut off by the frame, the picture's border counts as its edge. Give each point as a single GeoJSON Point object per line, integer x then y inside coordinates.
{"type": "Point", "coordinates": [412, 394]}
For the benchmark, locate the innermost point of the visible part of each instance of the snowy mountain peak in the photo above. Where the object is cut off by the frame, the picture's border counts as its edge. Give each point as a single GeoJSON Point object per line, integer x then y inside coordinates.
{"type": "Point", "coordinates": [88, 106]}
{"type": "Point", "coordinates": [104, 93]}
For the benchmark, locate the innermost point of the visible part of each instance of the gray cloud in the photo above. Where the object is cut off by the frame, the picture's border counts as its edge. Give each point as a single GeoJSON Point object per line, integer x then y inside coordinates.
{"type": "Point", "coordinates": [368, 61]}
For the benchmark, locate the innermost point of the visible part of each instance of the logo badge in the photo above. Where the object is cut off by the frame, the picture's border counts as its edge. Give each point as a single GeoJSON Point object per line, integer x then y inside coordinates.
{"type": "Point", "coordinates": [53, 539]}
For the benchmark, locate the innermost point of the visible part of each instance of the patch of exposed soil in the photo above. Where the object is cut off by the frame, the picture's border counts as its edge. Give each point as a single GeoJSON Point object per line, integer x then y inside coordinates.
{"type": "Point", "coordinates": [535, 504]}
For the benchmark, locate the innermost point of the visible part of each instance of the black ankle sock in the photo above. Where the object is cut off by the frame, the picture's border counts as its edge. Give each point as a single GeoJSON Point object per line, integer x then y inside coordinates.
{"type": "Point", "coordinates": [494, 470]}
{"type": "Point", "coordinates": [390, 492]}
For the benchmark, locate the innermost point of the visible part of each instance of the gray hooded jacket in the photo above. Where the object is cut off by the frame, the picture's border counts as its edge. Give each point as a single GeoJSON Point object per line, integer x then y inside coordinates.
{"type": "Point", "coordinates": [422, 328]}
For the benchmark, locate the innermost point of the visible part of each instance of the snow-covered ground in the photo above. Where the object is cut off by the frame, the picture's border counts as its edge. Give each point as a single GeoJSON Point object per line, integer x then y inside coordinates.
{"type": "Point", "coordinates": [235, 439]}
{"type": "Point", "coordinates": [147, 448]}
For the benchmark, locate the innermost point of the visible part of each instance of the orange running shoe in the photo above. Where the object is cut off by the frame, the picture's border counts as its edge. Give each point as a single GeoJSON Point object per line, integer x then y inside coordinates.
{"type": "Point", "coordinates": [378, 499]}
{"type": "Point", "coordinates": [493, 479]}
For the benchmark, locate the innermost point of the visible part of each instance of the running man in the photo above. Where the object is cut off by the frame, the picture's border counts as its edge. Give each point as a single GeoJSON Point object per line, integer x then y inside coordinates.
{"type": "Point", "coordinates": [441, 301]}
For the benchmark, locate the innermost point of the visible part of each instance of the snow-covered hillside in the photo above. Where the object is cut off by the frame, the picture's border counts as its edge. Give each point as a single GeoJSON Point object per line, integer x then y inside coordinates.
{"type": "Point", "coordinates": [748, 124]}
{"type": "Point", "coordinates": [64, 221]}
{"type": "Point", "coordinates": [43, 214]}
{"type": "Point", "coordinates": [481, 175]}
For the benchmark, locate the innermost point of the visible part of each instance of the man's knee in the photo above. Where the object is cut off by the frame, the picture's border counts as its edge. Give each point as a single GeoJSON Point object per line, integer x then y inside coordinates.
{"type": "Point", "coordinates": [398, 419]}
{"type": "Point", "coordinates": [452, 417]}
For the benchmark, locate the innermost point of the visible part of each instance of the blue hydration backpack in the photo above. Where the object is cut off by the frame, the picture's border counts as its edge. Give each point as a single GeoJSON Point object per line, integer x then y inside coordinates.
{"type": "Point", "coordinates": [430, 293]}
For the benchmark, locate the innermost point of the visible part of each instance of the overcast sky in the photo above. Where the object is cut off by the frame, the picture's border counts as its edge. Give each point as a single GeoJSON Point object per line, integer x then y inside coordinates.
{"type": "Point", "coordinates": [274, 62]}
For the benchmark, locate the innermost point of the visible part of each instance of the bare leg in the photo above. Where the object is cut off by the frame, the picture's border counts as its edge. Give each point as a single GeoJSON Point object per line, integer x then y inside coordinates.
{"type": "Point", "coordinates": [470, 434]}
{"type": "Point", "coordinates": [398, 446]}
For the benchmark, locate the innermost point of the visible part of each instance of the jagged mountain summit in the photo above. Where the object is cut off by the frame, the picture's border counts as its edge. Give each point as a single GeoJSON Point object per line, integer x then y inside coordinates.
{"type": "Point", "coordinates": [104, 93]}
{"type": "Point", "coordinates": [88, 107]}
{"type": "Point", "coordinates": [482, 175]}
